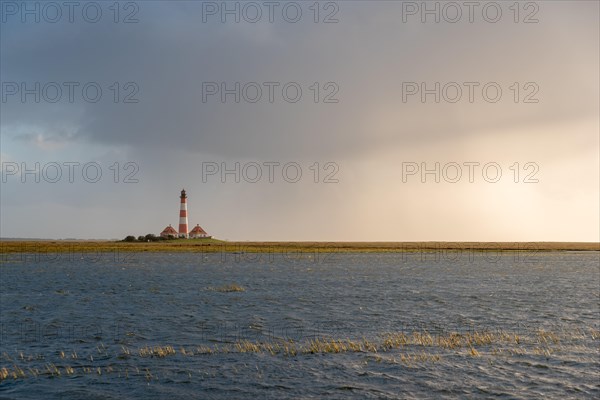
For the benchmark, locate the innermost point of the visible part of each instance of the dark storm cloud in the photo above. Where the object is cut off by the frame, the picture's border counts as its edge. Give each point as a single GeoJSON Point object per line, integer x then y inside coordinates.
{"type": "Point", "coordinates": [368, 55]}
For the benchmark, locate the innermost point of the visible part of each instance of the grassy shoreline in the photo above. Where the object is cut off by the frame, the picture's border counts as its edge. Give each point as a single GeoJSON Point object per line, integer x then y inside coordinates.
{"type": "Point", "coordinates": [214, 246]}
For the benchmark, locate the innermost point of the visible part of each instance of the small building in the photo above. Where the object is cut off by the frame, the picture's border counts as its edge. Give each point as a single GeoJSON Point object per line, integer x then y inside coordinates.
{"type": "Point", "coordinates": [169, 231]}
{"type": "Point", "coordinates": [198, 232]}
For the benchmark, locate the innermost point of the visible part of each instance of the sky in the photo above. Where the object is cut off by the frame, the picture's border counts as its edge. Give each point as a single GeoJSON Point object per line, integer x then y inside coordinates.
{"type": "Point", "coordinates": [327, 121]}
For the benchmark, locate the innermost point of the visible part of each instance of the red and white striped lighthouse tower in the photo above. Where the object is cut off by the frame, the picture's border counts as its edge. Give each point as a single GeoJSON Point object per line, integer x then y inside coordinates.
{"type": "Point", "coordinates": [183, 219]}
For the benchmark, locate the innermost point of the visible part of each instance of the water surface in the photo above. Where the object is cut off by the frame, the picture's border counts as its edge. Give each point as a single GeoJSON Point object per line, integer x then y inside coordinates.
{"type": "Point", "coordinates": [75, 326]}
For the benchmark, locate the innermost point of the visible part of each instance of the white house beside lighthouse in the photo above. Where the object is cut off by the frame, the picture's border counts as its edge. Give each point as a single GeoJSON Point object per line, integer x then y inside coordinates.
{"type": "Point", "coordinates": [169, 231]}
{"type": "Point", "coordinates": [198, 233]}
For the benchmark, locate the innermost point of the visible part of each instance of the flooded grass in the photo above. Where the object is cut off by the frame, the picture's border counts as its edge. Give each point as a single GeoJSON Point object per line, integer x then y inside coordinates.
{"type": "Point", "coordinates": [227, 288]}
{"type": "Point", "coordinates": [409, 349]}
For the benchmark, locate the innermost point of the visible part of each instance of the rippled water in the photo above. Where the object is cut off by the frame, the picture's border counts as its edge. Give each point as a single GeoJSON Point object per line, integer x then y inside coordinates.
{"type": "Point", "coordinates": [76, 326]}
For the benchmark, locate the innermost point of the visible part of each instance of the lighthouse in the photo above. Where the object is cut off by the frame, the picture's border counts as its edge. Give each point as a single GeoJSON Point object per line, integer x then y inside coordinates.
{"type": "Point", "coordinates": [183, 219]}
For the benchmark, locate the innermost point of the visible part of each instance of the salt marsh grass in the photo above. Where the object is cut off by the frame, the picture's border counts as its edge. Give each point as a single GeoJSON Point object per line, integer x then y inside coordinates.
{"type": "Point", "coordinates": [227, 288]}
{"type": "Point", "coordinates": [220, 246]}
{"type": "Point", "coordinates": [409, 349]}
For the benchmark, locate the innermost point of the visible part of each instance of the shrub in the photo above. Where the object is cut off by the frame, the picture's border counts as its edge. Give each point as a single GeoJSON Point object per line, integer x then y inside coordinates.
{"type": "Point", "coordinates": [151, 237]}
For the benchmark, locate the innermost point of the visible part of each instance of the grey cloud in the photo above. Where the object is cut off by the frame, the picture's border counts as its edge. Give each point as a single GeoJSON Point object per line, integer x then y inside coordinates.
{"type": "Point", "coordinates": [368, 54]}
